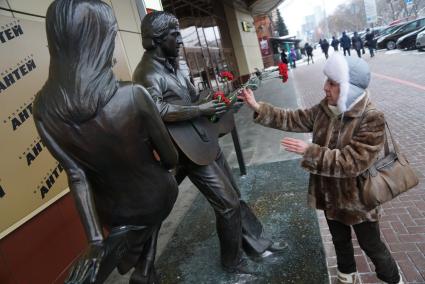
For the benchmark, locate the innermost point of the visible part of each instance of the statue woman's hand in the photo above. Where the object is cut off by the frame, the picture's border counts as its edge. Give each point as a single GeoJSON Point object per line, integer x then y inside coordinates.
{"type": "Point", "coordinates": [86, 268]}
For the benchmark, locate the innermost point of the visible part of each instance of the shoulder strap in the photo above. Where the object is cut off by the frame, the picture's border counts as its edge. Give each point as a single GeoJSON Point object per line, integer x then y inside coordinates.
{"type": "Point", "coordinates": [386, 144]}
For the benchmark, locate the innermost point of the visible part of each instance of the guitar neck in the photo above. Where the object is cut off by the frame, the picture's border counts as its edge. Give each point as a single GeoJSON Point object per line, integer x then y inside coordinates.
{"type": "Point", "coordinates": [252, 83]}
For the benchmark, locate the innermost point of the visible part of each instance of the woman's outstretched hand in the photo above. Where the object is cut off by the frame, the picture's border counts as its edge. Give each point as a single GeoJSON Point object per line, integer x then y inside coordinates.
{"type": "Point", "coordinates": [294, 145]}
{"type": "Point", "coordinates": [247, 95]}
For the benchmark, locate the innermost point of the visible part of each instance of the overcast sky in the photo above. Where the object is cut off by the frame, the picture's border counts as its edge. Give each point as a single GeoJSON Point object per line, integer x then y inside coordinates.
{"type": "Point", "coordinates": [294, 11]}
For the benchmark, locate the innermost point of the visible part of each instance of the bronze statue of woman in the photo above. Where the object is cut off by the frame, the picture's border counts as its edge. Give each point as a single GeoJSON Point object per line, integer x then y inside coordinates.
{"type": "Point", "coordinates": [104, 133]}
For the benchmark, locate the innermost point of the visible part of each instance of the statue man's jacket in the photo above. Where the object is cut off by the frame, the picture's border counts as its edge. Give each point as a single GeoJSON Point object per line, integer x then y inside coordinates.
{"type": "Point", "coordinates": [176, 100]}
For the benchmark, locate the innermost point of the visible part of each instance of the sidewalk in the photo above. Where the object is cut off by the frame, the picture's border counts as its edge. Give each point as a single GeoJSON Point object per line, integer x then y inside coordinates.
{"type": "Point", "coordinates": [403, 219]}
{"type": "Point", "coordinates": [259, 145]}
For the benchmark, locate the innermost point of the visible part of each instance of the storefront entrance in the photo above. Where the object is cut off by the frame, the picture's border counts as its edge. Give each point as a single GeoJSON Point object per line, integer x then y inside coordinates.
{"type": "Point", "coordinates": [207, 49]}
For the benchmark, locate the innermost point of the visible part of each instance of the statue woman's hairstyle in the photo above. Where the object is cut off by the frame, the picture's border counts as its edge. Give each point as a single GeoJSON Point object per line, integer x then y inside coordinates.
{"type": "Point", "coordinates": [81, 37]}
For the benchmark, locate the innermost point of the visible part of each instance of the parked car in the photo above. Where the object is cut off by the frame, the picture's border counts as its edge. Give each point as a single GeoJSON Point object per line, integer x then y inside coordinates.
{"type": "Point", "coordinates": [420, 41]}
{"type": "Point", "coordinates": [389, 41]}
{"type": "Point", "coordinates": [409, 41]}
{"type": "Point", "coordinates": [389, 29]}
{"type": "Point", "coordinates": [399, 21]}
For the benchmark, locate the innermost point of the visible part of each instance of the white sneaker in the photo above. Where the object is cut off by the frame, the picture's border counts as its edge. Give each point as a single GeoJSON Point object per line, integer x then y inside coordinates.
{"type": "Point", "coordinates": [343, 278]}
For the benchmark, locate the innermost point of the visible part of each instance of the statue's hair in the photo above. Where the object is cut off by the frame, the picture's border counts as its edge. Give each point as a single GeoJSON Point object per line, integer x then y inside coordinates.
{"type": "Point", "coordinates": [155, 27]}
{"type": "Point", "coordinates": [81, 38]}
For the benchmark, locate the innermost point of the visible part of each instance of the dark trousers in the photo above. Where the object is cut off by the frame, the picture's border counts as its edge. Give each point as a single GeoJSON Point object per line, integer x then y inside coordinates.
{"type": "Point", "coordinates": [370, 242]}
{"type": "Point", "coordinates": [371, 51]}
{"type": "Point", "coordinates": [237, 226]}
{"type": "Point", "coordinates": [346, 50]}
{"type": "Point", "coordinates": [308, 58]}
{"type": "Point", "coordinates": [359, 53]}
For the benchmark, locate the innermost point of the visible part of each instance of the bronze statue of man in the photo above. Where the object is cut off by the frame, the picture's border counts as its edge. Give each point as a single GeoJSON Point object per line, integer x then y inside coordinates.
{"type": "Point", "coordinates": [104, 134]}
{"type": "Point", "coordinates": [200, 157]}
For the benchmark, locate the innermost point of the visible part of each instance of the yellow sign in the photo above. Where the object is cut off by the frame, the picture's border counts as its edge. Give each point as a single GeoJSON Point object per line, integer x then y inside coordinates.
{"type": "Point", "coordinates": [30, 179]}
{"type": "Point", "coordinates": [246, 26]}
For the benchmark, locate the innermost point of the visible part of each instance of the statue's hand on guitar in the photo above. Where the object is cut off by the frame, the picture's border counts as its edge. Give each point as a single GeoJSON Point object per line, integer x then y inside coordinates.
{"type": "Point", "coordinates": [212, 107]}
{"type": "Point", "coordinates": [86, 268]}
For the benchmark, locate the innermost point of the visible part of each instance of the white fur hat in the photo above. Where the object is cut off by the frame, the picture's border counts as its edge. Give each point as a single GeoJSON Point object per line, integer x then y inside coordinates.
{"type": "Point", "coordinates": [351, 73]}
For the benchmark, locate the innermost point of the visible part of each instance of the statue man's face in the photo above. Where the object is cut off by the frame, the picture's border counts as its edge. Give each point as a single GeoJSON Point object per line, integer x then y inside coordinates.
{"type": "Point", "coordinates": [171, 44]}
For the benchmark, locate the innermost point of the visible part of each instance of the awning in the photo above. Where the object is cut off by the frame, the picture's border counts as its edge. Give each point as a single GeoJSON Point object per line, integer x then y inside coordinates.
{"type": "Point", "coordinates": [262, 7]}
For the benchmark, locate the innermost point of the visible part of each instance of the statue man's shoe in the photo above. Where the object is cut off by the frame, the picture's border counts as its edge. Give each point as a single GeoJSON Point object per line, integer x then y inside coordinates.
{"type": "Point", "coordinates": [243, 267]}
{"type": "Point", "coordinates": [278, 247]}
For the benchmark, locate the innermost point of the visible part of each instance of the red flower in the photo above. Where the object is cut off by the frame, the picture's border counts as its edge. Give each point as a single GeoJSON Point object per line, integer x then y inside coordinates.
{"type": "Point", "coordinates": [221, 97]}
{"type": "Point", "coordinates": [226, 75]}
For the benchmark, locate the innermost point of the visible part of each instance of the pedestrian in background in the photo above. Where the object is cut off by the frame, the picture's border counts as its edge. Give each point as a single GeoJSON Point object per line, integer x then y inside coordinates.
{"type": "Point", "coordinates": [283, 66]}
{"type": "Point", "coordinates": [345, 43]}
{"type": "Point", "coordinates": [335, 43]}
{"type": "Point", "coordinates": [370, 42]}
{"type": "Point", "coordinates": [293, 56]}
{"type": "Point", "coordinates": [348, 135]}
{"type": "Point", "coordinates": [325, 47]}
{"type": "Point", "coordinates": [309, 51]}
{"type": "Point", "coordinates": [357, 44]}
{"type": "Point", "coordinates": [284, 57]}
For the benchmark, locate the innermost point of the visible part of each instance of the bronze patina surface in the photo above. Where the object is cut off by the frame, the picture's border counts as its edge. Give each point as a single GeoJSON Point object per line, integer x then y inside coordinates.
{"type": "Point", "coordinates": [104, 134]}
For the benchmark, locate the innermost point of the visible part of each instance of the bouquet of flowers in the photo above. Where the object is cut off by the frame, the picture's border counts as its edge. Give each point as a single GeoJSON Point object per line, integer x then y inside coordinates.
{"type": "Point", "coordinates": [221, 96]}
{"type": "Point", "coordinates": [226, 75]}
{"type": "Point", "coordinates": [230, 98]}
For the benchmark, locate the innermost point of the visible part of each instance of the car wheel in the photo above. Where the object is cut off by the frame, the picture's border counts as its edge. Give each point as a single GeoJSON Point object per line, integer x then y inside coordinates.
{"type": "Point", "coordinates": [390, 45]}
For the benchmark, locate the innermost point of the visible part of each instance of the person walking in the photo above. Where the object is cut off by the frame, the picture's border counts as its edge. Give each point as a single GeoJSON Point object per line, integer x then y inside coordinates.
{"type": "Point", "coordinates": [357, 44]}
{"type": "Point", "coordinates": [335, 43]}
{"type": "Point", "coordinates": [283, 66]}
{"type": "Point", "coordinates": [284, 57]}
{"type": "Point", "coordinates": [309, 51]}
{"type": "Point", "coordinates": [345, 43]}
{"type": "Point", "coordinates": [325, 47]}
{"type": "Point", "coordinates": [293, 56]}
{"type": "Point", "coordinates": [370, 42]}
{"type": "Point", "coordinates": [348, 135]}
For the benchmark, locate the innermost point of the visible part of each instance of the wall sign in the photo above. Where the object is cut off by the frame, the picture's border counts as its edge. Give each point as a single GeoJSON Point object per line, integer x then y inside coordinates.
{"type": "Point", "coordinates": [30, 178]}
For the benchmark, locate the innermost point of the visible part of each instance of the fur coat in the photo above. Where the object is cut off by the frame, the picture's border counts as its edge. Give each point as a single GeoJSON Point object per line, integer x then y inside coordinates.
{"type": "Point", "coordinates": [343, 147]}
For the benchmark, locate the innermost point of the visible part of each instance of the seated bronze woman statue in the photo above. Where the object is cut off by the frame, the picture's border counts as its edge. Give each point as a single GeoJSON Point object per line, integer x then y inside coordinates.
{"type": "Point", "coordinates": [104, 133]}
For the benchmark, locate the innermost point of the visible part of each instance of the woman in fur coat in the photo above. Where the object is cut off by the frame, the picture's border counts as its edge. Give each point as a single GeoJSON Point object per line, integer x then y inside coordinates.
{"type": "Point", "coordinates": [348, 134]}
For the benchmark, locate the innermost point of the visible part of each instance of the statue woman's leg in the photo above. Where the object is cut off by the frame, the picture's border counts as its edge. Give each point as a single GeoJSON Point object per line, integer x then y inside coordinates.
{"type": "Point", "coordinates": [144, 272]}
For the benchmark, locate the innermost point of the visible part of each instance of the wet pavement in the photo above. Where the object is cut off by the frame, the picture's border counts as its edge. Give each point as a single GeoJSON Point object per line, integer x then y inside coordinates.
{"type": "Point", "coordinates": [277, 194]}
{"type": "Point", "coordinates": [260, 145]}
